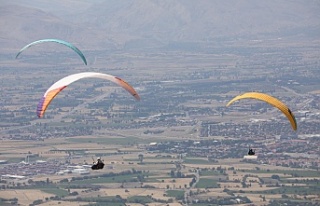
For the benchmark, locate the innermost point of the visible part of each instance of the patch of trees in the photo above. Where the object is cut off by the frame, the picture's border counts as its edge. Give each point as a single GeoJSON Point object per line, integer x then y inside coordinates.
{"type": "Point", "coordinates": [224, 201]}
{"type": "Point", "coordinates": [158, 131]}
{"type": "Point", "coordinates": [177, 174]}
{"type": "Point", "coordinates": [291, 203]}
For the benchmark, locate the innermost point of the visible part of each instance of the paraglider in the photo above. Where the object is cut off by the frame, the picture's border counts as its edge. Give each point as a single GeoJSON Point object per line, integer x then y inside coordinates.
{"type": "Point", "coordinates": [57, 87]}
{"type": "Point", "coordinates": [251, 151]}
{"type": "Point", "coordinates": [97, 165]}
{"type": "Point", "coordinates": [56, 41]}
{"type": "Point", "coordinates": [271, 100]}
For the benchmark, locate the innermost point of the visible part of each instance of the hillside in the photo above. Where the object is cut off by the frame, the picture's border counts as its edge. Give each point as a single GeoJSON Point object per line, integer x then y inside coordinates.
{"type": "Point", "coordinates": [21, 25]}
{"type": "Point", "coordinates": [189, 20]}
{"type": "Point", "coordinates": [156, 23]}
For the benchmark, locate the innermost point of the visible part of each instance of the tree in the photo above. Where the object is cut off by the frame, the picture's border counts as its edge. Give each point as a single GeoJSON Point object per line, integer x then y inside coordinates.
{"type": "Point", "coordinates": [30, 181]}
{"type": "Point", "coordinates": [140, 156]}
{"type": "Point", "coordinates": [172, 174]}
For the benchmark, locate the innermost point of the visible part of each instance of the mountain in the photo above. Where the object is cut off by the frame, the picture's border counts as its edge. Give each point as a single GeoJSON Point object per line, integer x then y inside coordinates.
{"type": "Point", "coordinates": [20, 25]}
{"type": "Point", "coordinates": [190, 20]}
{"type": "Point", "coordinates": [155, 23]}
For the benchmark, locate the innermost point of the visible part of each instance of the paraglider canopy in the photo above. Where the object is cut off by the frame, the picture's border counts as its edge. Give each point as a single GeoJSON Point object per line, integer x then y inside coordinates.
{"type": "Point", "coordinates": [57, 87]}
{"type": "Point", "coordinates": [270, 100]}
{"type": "Point", "coordinates": [71, 46]}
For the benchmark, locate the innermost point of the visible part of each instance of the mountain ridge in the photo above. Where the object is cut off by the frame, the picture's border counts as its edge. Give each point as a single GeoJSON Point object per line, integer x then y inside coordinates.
{"type": "Point", "coordinates": [116, 24]}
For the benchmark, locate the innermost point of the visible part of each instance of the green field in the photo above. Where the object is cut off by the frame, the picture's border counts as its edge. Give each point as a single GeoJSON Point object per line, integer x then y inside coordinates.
{"type": "Point", "coordinates": [105, 201]}
{"type": "Point", "coordinates": [140, 199]}
{"type": "Point", "coordinates": [209, 173]}
{"type": "Point", "coordinates": [101, 180]}
{"type": "Point", "coordinates": [178, 194]}
{"type": "Point", "coordinates": [298, 190]}
{"type": "Point", "coordinates": [195, 161]}
{"type": "Point", "coordinates": [56, 191]}
{"type": "Point", "coordinates": [207, 183]}
{"type": "Point", "coordinates": [293, 173]}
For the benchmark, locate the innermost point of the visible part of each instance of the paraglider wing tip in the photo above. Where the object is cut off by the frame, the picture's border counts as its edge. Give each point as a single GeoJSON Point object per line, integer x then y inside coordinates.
{"type": "Point", "coordinates": [18, 55]}
{"type": "Point", "coordinates": [136, 96]}
{"type": "Point", "coordinates": [229, 103]}
{"type": "Point", "coordinates": [40, 107]}
{"type": "Point", "coordinates": [39, 113]}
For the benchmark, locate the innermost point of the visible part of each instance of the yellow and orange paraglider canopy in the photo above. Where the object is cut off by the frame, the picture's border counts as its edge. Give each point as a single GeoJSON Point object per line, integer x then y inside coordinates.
{"type": "Point", "coordinates": [271, 100]}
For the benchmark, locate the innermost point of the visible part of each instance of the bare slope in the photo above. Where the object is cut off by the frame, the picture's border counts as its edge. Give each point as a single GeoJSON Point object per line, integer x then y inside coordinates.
{"type": "Point", "coordinates": [190, 20]}
{"type": "Point", "coordinates": [154, 23]}
{"type": "Point", "coordinates": [20, 25]}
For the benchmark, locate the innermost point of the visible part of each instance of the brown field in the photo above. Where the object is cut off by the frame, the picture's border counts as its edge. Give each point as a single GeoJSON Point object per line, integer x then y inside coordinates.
{"type": "Point", "coordinates": [214, 194]}
{"type": "Point", "coordinates": [155, 193]}
{"type": "Point", "coordinates": [134, 204]}
{"type": "Point", "coordinates": [179, 183]}
{"type": "Point", "coordinates": [61, 202]}
{"type": "Point", "coordinates": [161, 204]}
{"type": "Point", "coordinates": [257, 199]}
{"type": "Point", "coordinates": [25, 197]}
{"type": "Point", "coordinates": [53, 178]}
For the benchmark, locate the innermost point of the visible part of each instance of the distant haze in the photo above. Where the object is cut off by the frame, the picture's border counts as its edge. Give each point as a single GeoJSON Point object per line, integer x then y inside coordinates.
{"type": "Point", "coordinates": [154, 23]}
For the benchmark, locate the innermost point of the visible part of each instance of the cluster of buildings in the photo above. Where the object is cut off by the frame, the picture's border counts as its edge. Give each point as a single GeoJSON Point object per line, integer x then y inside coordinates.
{"type": "Point", "coordinates": [28, 169]}
{"type": "Point", "coordinates": [25, 170]}
{"type": "Point", "coordinates": [297, 153]}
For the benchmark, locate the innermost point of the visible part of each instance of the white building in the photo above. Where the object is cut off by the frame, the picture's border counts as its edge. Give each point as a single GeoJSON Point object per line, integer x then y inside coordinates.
{"type": "Point", "coordinates": [81, 171]}
{"type": "Point", "coordinates": [13, 177]}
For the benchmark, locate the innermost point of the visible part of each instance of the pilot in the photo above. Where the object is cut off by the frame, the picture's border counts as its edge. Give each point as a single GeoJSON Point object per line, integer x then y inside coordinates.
{"type": "Point", "coordinates": [98, 165]}
{"type": "Point", "coordinates": [251, 152]}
